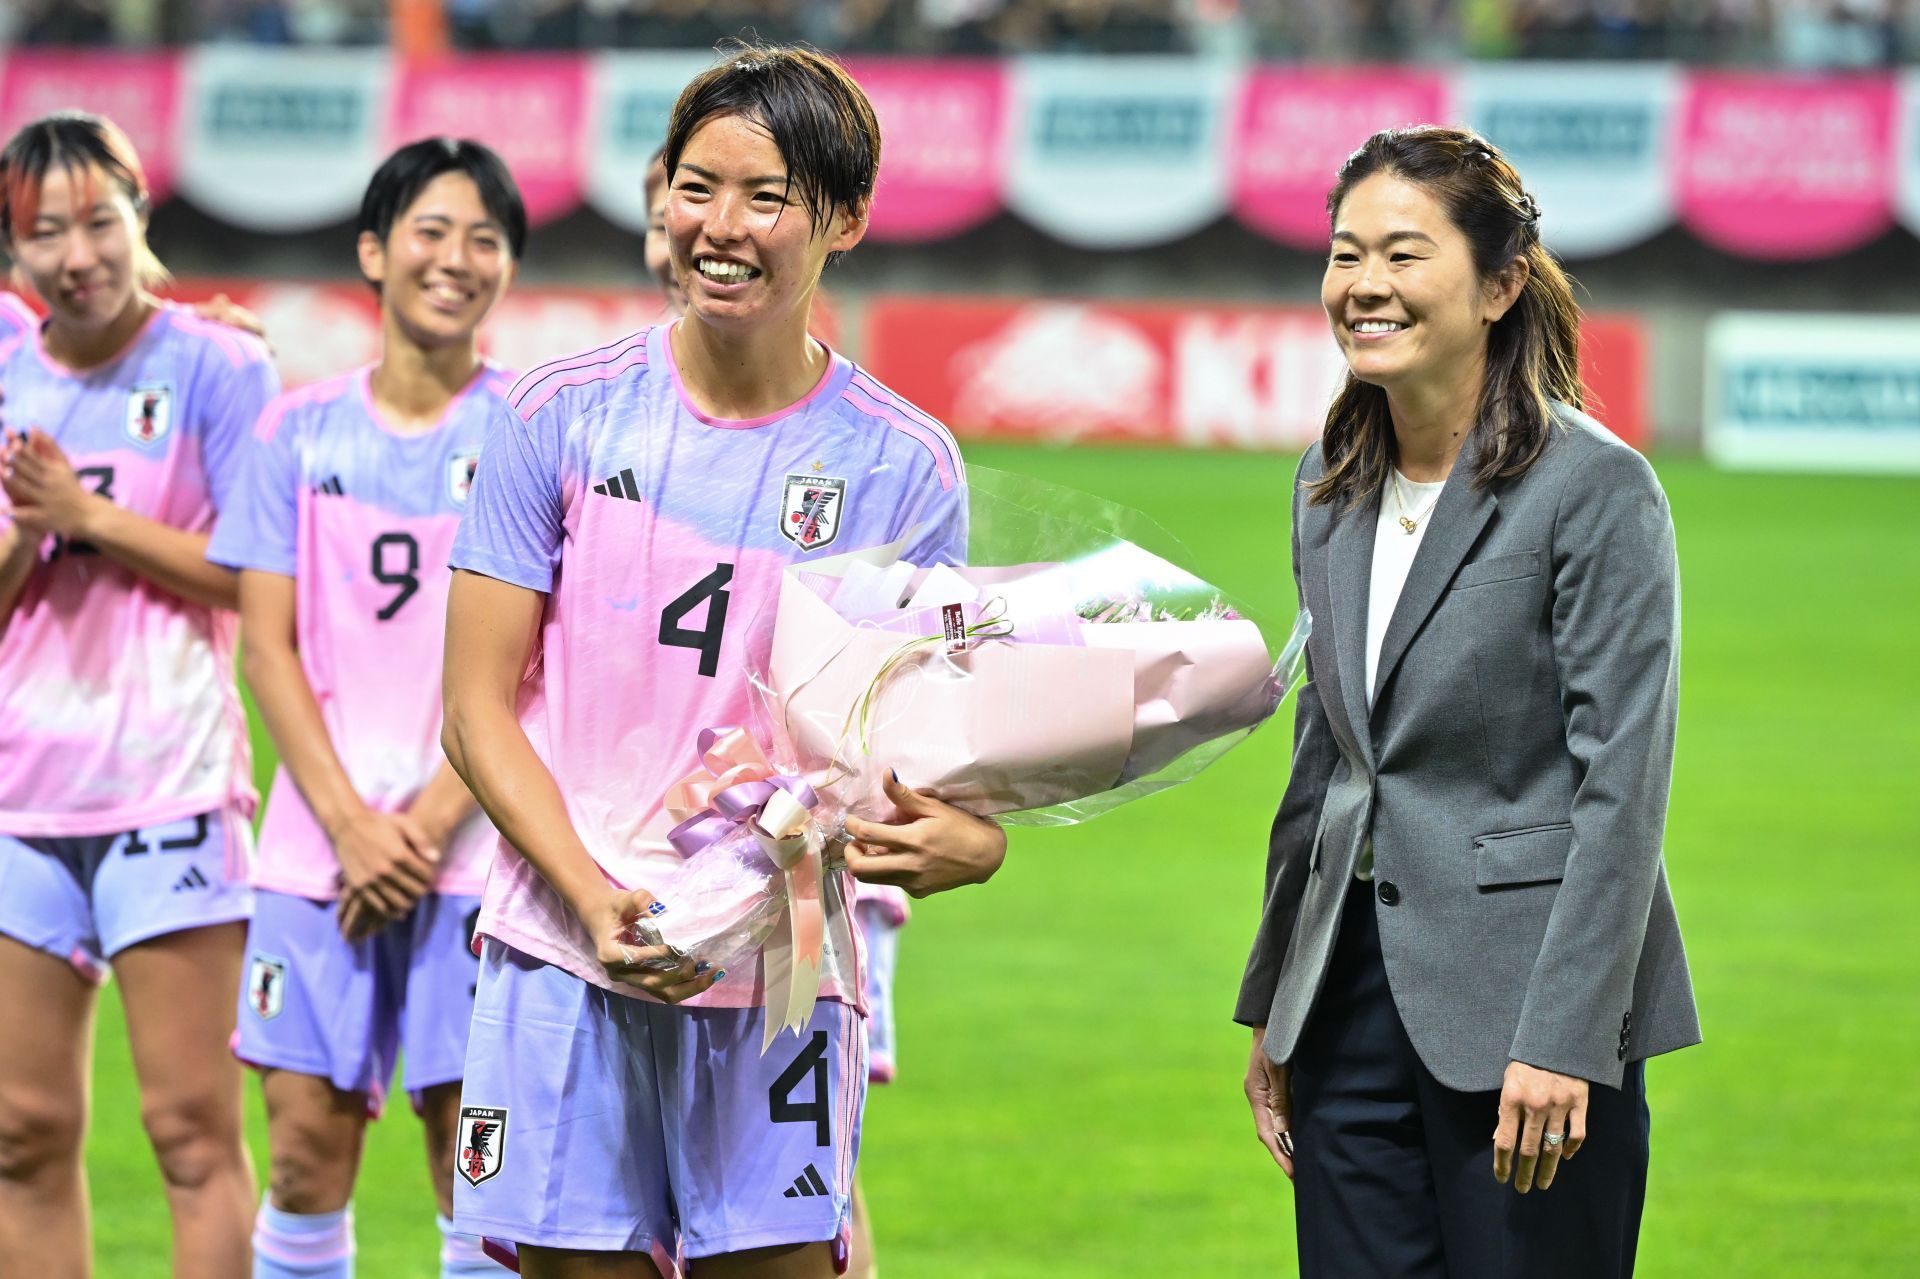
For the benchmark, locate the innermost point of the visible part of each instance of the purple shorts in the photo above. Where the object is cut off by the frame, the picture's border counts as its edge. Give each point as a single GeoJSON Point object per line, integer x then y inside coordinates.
{"type": "Point", "coordinates": [86, 898]}
{"type": "Point", "coordinates": [594, 1121]}
{"type": "Point", "coordinates": [315, 1003]}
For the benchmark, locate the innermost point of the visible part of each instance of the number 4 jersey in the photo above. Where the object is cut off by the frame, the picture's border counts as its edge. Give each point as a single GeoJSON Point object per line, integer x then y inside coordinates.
{"type": "Point", "coordinates": [362, 518]}
{"type": "Point", "coordinates": [659, 535]}
{"type": "Point", "coordinates": [118, 708]}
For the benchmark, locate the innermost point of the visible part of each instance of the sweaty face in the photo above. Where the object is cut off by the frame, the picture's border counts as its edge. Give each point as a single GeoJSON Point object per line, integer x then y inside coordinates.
{"type": "Point", "coordinates": [444, 264]}
{"type": "Point", "coordinates": [741, 243]}
{"type": "Point", "coordinates": [78, 251]}
{"type": "Point", "coordinates": [1400, 290]}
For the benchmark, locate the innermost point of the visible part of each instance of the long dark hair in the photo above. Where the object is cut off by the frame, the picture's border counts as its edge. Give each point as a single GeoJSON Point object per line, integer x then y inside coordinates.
{"type": "Point", "coordinates": [818, 117]}
{"type": "Point", "coordinates": [1533, 351]}
{"type": "Point", "coordinates": [78, 142]}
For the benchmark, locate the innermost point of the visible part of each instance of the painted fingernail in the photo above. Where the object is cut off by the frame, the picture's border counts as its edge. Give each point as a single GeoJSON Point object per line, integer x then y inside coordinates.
{"type": "Point", "coordinates": [895, 774]}
{"type": "Point", "coordinates": [721, 975]}
{"type": "Point", "coordinates": [1286, 1143]}
{"type": "Point", "coordinates": [657, 908]}
{"type": "Point", "coordinates": [701, 967]}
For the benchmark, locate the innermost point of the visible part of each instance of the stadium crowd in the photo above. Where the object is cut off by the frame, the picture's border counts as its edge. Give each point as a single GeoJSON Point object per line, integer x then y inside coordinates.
{"type": "Point", "coordinates": [1801, 33]}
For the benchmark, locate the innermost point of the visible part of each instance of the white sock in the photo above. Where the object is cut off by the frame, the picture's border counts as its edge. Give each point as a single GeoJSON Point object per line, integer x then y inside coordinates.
{"type": "Point", "coordinates": [294, 1245]}
{"type": "Point", "coordinates": [461, 1256]}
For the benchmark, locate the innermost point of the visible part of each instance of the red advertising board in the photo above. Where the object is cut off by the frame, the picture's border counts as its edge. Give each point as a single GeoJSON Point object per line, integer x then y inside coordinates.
{"type": "Point", "coordinates": [1184, 373]}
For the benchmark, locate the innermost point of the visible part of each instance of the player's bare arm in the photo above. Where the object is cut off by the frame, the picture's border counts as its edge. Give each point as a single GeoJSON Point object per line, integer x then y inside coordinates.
{"type": "Point", "coordinates": [491, 629]}
{"type": "Point", "coordinates": [386, 860]}
{"type": "Point", "coordinates": [17, 551]}
{"type": "Point", "coordinates": [48, 497]}
{"type": "Point", "coordinates": [442, 805]}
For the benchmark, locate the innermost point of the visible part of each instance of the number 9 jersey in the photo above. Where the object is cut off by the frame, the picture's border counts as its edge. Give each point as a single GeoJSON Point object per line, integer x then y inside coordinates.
{"type": "Point", "coordinates": [362, 517]}
{"type": "Point", "coordinates": [659, 535]}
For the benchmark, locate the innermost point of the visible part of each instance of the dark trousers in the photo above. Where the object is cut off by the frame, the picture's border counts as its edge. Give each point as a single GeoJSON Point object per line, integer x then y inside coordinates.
{"type": "Point", "coordinates": [1393, 1171]}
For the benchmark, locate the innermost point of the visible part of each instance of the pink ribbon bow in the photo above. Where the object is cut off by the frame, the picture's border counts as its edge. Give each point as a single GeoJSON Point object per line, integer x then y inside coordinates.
{"type": "Point", "coordinates": [735, 788]}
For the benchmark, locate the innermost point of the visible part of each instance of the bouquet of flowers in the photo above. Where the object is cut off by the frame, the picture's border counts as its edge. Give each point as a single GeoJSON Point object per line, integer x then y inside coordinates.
{"type": "Point", "coordinates": [1064, 670]}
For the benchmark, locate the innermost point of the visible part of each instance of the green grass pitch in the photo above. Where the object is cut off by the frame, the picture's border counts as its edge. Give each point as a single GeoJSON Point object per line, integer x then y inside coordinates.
{"type": "Point", "coordinates": [1069, 1102]}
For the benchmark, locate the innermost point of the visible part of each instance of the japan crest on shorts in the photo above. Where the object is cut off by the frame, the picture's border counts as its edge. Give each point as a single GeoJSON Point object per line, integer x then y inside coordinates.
{"type": "Point", "coordinates": [460, 474]}
{"type": "Point", "coordinates": [810, 510]}
{"type": "Point", "coordinates": [149, 412]}
{"type": "Point", "coordinates": [483, 1142]}
{"type": "Point", "coordinates": [266, 986]}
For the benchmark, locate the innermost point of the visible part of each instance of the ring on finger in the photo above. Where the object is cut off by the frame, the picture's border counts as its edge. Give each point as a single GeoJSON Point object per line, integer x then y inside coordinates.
{"type": "Point", "coordinates": [1554, 1138]}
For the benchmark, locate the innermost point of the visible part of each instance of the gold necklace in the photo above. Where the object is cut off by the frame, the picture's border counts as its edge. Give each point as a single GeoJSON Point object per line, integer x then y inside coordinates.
{"type": "Point", "coordinates": [1409, 523]}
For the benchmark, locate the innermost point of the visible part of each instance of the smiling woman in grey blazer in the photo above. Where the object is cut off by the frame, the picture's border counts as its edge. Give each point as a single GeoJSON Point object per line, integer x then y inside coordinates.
{"type": "Point", "coordinates": [1468, 948]}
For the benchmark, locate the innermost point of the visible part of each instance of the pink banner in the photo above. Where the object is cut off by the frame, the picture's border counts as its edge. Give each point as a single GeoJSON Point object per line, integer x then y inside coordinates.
{"type": "Point", "coordinates": [944, 124]}
{"type": "Point", "coordinates": [1297, 125]}
{"type": "Point", "coordinates": [1782, 167]}
{"type": "Point", "coordinates": [137, 91]}
{"type": "Point", "coordinates": [529, 108]}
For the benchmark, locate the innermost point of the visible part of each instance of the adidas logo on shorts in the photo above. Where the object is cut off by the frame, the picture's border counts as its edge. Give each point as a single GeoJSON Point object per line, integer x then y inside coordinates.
{"type": "Point", "coordinates": [807, 1185]}
{"type": "Point", "coordinates": [192, 881]}
{"type": "Point", "coordinates": [331, 486]}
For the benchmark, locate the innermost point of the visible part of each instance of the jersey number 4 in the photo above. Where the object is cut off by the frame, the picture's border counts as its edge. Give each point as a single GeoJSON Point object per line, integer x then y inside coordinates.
{"type": "Point", "coordinates": [783, 1109]}
{"type": "Point", "coordinates": [713, 589]}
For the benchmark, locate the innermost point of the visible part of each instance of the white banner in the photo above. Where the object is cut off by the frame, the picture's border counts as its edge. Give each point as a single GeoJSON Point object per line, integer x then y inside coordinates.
{"type": "Point", "coordinates": [282, 140]}
{"type": "Point", "coordinates": [1812, 392]}
{"type": "Point", "coordinates": [630, 97]}
{"type": "Point", "coordinates": [1907, 158]}
{"type": "Point", "coordinates": [1592, 141]}
{"type": "Point", "coordinates": [1120, 152]}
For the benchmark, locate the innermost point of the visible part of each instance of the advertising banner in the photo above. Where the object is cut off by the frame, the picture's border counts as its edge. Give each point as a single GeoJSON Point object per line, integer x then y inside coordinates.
{"type": "Point", "coordinates": [137, 91]}
{"type": "Point", "coordinates": [529, 108]}
{"type": "Point", "coordinates": [279, 139]}
{"type": "Point", "coordinates": [1296, 126]}
{"type": "Point", "coordinates": [1193, 374]}
{"type": "Point", "coordinates": [944, 126]}
{"type": "Point", "coordinates": [1594, 143]}
{"type": "Point", "coordinates": [1812, 392]}
{"type": "Point", "coordinates": [631, 96]}
{"type": "Point", "coordinates": [1786, 168]}
{"type": "Point", "coordinates": [1909, 143]}
{"type": "Point", "coordinates": [1118, 152]}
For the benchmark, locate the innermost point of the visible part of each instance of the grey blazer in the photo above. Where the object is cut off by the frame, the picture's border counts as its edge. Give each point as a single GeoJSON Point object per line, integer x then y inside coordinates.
{"type": "Point", "coordinates": [1512, 774]}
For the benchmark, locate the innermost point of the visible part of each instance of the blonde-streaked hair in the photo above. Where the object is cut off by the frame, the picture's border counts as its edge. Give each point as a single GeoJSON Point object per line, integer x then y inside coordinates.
{"type": "Point", "coordinates": [80, 143]}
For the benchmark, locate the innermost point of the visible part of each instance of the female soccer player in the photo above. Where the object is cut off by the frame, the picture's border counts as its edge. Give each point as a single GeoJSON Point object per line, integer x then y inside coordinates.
{"type": "Point", "coordinates": [124, 787]}
{"type": "Point", "coordinates": [629, 518]}
{"type": "Point", "coordinates": [373, 854]}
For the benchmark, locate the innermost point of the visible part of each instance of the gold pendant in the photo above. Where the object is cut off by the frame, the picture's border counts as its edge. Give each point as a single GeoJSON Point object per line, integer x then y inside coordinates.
{"type": "Point", "coordinates": [1408, 525]}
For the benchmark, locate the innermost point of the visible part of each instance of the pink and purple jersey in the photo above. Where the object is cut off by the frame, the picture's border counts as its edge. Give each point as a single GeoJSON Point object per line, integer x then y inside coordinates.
{"type": "Point", "coordinates": [16, 316]}
{"type": "Point", "coordinates": [362, 518]}
{"type": "Point", "coordinates": [659, 535]}
{"type": "Point", "coordinates": [118, 707]}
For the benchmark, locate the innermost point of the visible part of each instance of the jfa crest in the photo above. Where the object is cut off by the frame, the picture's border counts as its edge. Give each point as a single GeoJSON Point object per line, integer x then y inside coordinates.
{"type": "Point", "coordinates": [266, 986]}
{"type": "Point", "coordinates": [150, 412]}
{"type": "Point", "coordinates": [460, 474]}
{"type": "Point", "coordinates": [810, 510]}
{"type": "Point", "coordinates": [483, 1142]}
